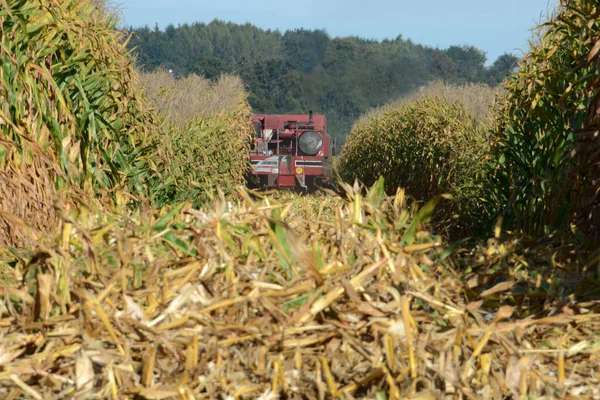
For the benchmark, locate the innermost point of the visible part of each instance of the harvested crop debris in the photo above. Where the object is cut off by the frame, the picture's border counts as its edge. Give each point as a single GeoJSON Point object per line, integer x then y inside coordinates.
{"type": "Point", "coordinates": [255, 300]}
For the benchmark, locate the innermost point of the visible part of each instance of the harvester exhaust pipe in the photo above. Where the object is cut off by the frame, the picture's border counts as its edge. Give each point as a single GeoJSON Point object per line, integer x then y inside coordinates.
{"type": "Point", "coordinates": [310, 117]}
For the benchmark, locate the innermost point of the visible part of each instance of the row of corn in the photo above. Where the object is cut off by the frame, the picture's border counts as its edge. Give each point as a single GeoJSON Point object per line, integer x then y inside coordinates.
{"type": "Point", "coordinates": [428, 147]}
{"type": "Point", "coordinates": [535, 165]}
{"type": "Point", "coordinates": [75, 127]}
{"type": "Point", "coordinates": [206, 142]}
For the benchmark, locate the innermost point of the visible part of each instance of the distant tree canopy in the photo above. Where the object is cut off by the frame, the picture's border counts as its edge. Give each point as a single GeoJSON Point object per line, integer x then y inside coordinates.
{"type": "Point", "coordinates": [303, 70]}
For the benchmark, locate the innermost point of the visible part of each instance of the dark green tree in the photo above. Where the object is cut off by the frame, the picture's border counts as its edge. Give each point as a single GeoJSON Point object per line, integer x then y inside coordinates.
{"type": "Point", "coordinates": [302, 70]}
{"type": "Point", "coordinates": [304, 49]}
{"type": "Point", "coordinates": [500, 68]}
{"type": "Point", "coordinates": [469, 63]}
{"type": "Point", "coordinates": [209, 67]}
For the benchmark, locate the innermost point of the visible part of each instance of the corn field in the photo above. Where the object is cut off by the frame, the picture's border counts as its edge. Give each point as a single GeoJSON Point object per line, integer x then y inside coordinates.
{"type": "Point", "coordinates": [429, 147]}
{"type": "Point", "coordinates": [135, 265]}
{"type": "Point", "coordinates": [205, 150]}
{"type": "Point", "coordinates": [546, 133]}
{"type": "Point", "coordinates": [70, 116]}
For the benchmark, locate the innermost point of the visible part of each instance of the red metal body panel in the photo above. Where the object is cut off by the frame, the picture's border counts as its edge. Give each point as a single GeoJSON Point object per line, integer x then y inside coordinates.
{"type": "Point", "coordinates": [287, 180]}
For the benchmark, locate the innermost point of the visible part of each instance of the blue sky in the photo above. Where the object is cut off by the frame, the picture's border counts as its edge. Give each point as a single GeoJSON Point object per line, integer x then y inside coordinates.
{"type": "Point", "coordinates": [493, 26]}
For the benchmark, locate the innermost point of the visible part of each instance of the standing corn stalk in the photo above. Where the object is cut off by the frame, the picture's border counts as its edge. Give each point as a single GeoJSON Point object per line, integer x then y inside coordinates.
{"type": "Point", "coordinates": [207, 141]}
{"type": "Point", "coordinates": [546, 142]}
{"type": "Point", "coordinates": [69, 113]}
{"type": "Point", "coordinates": [428, 147]}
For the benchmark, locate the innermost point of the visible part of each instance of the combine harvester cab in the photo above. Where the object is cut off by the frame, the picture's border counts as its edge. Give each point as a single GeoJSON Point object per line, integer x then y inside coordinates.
{"type": "Point", "coordinates": [291, 151]}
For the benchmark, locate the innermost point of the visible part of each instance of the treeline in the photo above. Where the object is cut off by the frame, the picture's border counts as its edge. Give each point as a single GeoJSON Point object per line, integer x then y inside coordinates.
{"type": "Point", "coordinates": [299, 70]}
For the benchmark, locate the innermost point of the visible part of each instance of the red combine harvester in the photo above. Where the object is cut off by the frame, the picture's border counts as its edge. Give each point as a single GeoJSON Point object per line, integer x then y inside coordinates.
{"type": "Point", "coordinates": [291, 151]}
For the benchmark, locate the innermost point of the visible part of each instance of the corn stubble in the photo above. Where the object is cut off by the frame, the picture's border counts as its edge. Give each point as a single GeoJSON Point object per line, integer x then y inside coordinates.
{"type": "Point", "coordinates": [216, 303]}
